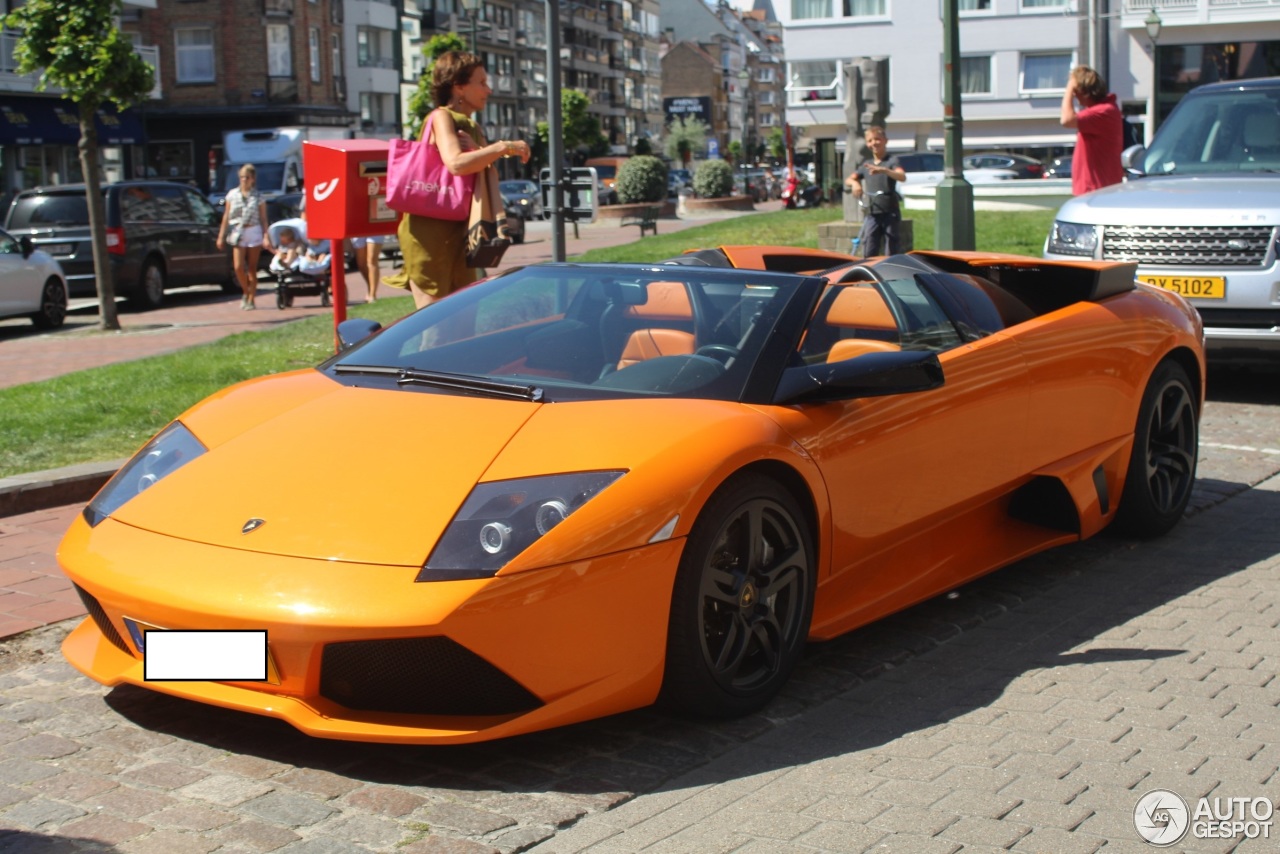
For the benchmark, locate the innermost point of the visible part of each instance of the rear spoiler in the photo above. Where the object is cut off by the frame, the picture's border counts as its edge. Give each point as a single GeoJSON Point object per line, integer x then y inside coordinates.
{"type": "Point", "coordinates": [1084, 280]}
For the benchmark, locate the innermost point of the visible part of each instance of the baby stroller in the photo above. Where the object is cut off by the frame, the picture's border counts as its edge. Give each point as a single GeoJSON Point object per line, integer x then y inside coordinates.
{"type": "Point", "coordinates": [302, 276]}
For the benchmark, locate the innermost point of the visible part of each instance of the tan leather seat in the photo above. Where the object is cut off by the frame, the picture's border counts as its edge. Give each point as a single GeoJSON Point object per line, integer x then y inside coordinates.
{"type": "Point", "coordinates": [864, 310]}
{"type": "Point", "coordinates": [667, 307]}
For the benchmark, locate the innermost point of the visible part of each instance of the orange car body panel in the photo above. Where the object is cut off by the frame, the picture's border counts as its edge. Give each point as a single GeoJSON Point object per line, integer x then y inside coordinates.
{"type": "Point", "coordinates": [1054, 397]}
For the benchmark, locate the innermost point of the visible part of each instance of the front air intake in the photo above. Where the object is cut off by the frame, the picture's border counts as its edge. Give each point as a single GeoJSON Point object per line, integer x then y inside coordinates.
{"type": "Point", "coordinates": [100, 619]}
{"type": "Point", "coordinates": [418, 676]}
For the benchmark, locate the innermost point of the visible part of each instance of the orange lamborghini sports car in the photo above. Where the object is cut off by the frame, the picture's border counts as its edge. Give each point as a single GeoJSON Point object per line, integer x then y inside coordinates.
{"type": "Point", "coordinates": [589, 488]}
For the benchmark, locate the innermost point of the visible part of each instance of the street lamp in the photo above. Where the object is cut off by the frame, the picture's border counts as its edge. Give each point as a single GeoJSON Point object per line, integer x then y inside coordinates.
{"type": "Point", "coordinates": [1153, 24]}
{"type": "Point", "coordinates": [472, 8]}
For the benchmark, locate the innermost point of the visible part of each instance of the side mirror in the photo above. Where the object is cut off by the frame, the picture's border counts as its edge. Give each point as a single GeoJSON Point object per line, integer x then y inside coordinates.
{"type": "Point", "coordinates": [1131, 159]}
{"type": "Point", "coordinates": [868, 375]}
{"type": "Point", "coordinates": [352, 332]}
{"type": "Point", "coordinates": [27, 246]}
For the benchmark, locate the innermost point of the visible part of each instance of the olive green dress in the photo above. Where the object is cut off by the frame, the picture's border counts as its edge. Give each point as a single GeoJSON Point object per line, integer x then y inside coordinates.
{"type": "Point", "coordinates": [435, 250]}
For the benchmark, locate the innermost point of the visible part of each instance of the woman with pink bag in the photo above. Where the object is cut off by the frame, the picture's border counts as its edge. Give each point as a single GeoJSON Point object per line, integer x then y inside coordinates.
{"type": "Point", "coordinates": [435, 250]}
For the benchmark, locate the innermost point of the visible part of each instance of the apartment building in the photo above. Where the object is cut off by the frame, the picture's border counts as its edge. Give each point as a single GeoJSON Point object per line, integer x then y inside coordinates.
{"type": "Point", "coordinates": [40, 130]}
{"type": "Point", "coordinates": [1015, 58]}
{"type": "Point", "coordinates": [374, 63]}
{"type": "Point", "coordinates": [237, 65]}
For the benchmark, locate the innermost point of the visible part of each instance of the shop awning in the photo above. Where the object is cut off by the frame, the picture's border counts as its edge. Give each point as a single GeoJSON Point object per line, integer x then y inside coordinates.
{"type": "Point", "coordinates": [55, 121]}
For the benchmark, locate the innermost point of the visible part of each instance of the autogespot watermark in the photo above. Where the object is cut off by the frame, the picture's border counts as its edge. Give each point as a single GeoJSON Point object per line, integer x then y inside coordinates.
{"type": "Point", "coordinates": [1163, 818]}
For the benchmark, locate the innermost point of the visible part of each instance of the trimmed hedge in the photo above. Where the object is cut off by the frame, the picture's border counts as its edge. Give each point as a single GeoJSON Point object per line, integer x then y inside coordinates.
{"type": "Point", "coordinates": [642, 178]}
{"type": "Point", "coordinates": [713, 180]}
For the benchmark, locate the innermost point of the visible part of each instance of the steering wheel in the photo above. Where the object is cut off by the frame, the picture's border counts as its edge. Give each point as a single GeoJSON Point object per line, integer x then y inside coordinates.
{"type": "Point", "coordinates": [721, 352]}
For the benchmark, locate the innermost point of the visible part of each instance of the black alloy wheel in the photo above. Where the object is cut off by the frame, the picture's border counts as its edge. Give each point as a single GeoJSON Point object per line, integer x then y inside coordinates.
{"type": "Point", "coordinates": [1162, 468]}
{"type": "Point", "coordinates": [53, 306]}
{"type": "Point", "coordinates": [742, 603]}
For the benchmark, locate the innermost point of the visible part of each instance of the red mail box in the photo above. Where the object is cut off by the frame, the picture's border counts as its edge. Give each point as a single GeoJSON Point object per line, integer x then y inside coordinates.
{"type": "Point", "coordinates": [347, 188]}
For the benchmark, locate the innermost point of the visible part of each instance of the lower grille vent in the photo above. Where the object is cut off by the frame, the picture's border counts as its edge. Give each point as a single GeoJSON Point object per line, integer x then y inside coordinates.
{"type": "Point", "coordinates": [418, 676]}
{"type": "Point", "coordinates": [100, 619]}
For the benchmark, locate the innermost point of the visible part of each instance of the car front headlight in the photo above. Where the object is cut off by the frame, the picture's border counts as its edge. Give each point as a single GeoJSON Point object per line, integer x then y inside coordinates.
{"type": "Point", "coordinates": [500, 520]}
{"type": "Point", "coordinates": [171, 449]}
{"type": "Point", "coordinates": [1070, 238]}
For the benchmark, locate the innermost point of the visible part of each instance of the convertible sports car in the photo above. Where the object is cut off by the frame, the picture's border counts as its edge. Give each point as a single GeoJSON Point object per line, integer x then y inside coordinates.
{"type": "Point", "coordinates": [601, 486]}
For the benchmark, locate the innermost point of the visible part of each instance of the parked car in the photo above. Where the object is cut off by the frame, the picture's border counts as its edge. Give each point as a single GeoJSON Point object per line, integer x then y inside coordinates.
{"type": "Point", "coordinates": [31, 283]}
{"type": "Point", "coordinates": [1025, 167]}
{"type": "Point", "coordinates": [1059, 167]}
{"type": "Point", "coordinates": [160, 235]}
{"type": "Point", "coordinates": [674, 476]}
{"type": "Point", "coordinates": [1199, 214]}
{"type": "Point", "coordinates": [525, 195]}
{"type": "Point", "coordinates": [927, 168]}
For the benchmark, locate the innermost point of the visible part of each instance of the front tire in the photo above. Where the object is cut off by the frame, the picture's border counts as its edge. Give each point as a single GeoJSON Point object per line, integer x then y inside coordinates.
{"type": "Point", "coordinates": [742, 602]}
{"type": "Point", "coordinates": [53, 306]}
{"type": "Point", "coordinates": [1162, 468]}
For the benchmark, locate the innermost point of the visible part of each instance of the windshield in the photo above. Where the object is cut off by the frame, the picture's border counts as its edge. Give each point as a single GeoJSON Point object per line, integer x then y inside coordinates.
{"type": "Point", "coordinates": [569, 332]}
{"type": "Point", "coordinates": [1215, 132]}
{"type": "Point", "coordinates": [270, 176]}
{"type": "Point", "coordinates": [516, 188]}
{"type": "Point", "coordinates": [603, 172]}
{"type": "Point", "coordinates": [52, 209]}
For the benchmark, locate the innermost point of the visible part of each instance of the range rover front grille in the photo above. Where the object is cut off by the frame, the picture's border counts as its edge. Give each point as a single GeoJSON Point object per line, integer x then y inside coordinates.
{"type": "Point", "coordinates": [1188, 246]}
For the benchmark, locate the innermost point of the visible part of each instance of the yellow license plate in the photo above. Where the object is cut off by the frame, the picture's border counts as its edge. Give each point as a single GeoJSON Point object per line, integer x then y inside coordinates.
{"type": "Point", "coordinates": [1191, 287]}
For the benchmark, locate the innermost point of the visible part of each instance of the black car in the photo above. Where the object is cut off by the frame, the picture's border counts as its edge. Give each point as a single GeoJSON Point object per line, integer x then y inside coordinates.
{"type": "Point", "coordinates": [1026, 167]}
{"type": "Point", "coordinates": [525, 197]}
{"type": "Point", "coordinates": [515, 217]}
{"type": "Point", "coordinates": [160, 235]}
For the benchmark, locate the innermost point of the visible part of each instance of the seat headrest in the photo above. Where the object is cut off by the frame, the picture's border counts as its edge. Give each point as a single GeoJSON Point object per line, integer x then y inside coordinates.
{"type": "Point", "coordinates": [1262, 128]}
{"type": "Point", "coordinates": [666, 301]}
{"type": "Point", "coordinates": [860, 308]}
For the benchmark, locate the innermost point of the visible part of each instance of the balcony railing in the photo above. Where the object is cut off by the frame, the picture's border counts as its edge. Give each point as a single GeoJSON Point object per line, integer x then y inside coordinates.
{"type": "Point", "coordinates": [277, 7]}
{"type": "Point", "coordinates": [375, 62]}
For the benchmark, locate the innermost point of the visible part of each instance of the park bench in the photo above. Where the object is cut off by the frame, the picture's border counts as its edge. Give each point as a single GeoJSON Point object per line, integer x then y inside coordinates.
{"type": "Point", "coordinates": [647, 219]}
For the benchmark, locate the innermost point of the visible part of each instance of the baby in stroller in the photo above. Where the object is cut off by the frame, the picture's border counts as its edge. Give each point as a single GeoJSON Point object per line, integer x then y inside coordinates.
{"type": "Point", "coordinates": [300, 265]}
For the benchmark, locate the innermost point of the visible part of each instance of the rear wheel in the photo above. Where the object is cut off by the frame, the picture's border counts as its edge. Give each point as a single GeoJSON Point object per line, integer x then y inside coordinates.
{"type": "Point", "coordinates": [151, 284]}
{"type": "Point", "coordinates": [742, 602]}
{"type": "Point", "coordinates": [53, 306]}
{"type": "Point", "coordinates": [1162, 469]}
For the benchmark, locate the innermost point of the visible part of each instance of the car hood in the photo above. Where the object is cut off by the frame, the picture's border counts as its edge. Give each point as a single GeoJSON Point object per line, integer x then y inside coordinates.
{"type": "Point", "coordinates": [1181, 200]}
{"type": "Point", "coordinates": [375, 476]}
{"type": "Point", "coordinates": [335, 473]}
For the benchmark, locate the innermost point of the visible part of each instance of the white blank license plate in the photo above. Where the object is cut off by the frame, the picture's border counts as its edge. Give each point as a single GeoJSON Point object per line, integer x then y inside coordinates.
{"type": "Point", "coordinates": [206, 656]}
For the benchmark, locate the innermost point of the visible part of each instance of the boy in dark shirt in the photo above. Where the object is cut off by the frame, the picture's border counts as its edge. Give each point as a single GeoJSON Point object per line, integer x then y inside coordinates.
{"type": "Point", "coordinates": [875, 185]}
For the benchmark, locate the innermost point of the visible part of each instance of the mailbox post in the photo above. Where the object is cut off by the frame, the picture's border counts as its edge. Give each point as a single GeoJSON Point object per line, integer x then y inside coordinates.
{"type": "Point", "coordinates": [346, 197]}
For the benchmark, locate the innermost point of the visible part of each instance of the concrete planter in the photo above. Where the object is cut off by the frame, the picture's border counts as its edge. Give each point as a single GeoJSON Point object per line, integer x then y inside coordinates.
{"type": "Point", "coordinates": [692, 207]}
{"type": "Point", "coordinates": [612, 213]}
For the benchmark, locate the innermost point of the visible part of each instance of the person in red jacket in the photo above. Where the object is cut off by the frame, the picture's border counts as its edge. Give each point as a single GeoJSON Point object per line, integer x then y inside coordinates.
{"type": "Point", "coordinates": [1099, 131]}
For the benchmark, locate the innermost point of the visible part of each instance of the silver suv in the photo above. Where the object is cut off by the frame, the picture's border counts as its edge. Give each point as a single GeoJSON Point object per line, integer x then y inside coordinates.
{"type": "Point", "coordinates": [1200, 214]}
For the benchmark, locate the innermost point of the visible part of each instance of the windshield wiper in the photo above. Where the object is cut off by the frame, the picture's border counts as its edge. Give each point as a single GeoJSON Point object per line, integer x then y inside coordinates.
{"type": "Point", "coordinates": [436, 379]}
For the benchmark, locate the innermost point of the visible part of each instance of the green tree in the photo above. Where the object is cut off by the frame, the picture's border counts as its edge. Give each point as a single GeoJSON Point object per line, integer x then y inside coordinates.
{"type": "Point", "coordinates": [643, 146]}
{"type": "Point", "coordinates": [579, 129]}
{"type": "Point", "coordinates": [685, 135]}
{"type": "Point", "coordinates": [777, 144]}
{"type": "Point", "coordinates": [735, 152]}
{"type": "Point", "coordinates": [421, 101]}
{"type": "Point", "coordinates": [77, 47]}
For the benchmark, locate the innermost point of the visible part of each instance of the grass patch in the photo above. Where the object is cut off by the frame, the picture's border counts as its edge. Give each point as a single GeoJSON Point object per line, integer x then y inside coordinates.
{"type": "Point", "coordinates": [108, 412]}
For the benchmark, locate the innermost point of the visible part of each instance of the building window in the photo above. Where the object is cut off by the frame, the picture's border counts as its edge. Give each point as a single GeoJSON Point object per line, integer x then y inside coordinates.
{"type": "Point", "coordinates": [313, 53]}
{"type": "Point", "coordinates": [1044, 72]}
{"type": "Point", "coordinates": [1037, 5]}
{"type": "Point", "coordinates": [335, 54]}
{"type": "Point", "coordinates": [864, 8]}
{"type": "Point", "coordinates": [193, 55]}
{"type": "Point", "coordinates": [377, 110]}
{"type": "Point", "coordinates": [803, 10]}
{"type": "Point", "coordinates": [975, 75]}
{"type": "Point", "coordinates": [975, 6]}
{"type": "Point", "coordinates": [279, 51]}
{"type": "Point", "coordinates": [815, 82]}
{"type": "Point", "coordinates": [374, 48]}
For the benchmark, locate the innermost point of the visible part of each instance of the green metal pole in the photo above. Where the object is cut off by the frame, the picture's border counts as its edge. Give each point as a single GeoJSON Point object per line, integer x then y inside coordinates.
{"type": "Point", "coordinates": [953, 200]}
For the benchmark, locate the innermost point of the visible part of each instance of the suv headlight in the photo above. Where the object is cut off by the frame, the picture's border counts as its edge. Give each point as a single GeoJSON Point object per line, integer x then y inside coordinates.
{"type": "Point", "coordinates": [1069, 238]}
{"type": "Point", "coordinates": [499, 520]}
{"type": "Point", "coordinates": [170, 450]}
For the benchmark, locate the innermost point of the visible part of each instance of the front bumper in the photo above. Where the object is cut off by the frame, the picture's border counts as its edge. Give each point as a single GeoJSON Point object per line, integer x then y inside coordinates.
{"type": "Point", "coordinates": [584, 640]}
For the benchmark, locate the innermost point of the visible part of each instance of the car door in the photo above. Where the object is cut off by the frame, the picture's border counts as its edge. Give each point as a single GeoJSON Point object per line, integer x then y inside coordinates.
{"type": "Point", "coordinates": [903, 470]}
{"type": "Point", "coordinates": [214, 265]}
{"type": "Point", "coordinates": [19, 280]}
{"type": "Point", "coordinates": [178, 233]}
